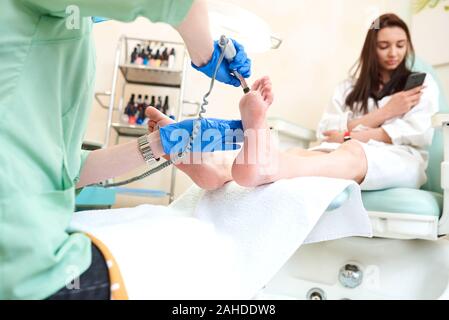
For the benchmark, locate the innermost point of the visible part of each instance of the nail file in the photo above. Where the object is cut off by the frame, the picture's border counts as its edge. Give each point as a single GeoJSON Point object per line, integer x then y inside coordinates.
{"type": "Point", "coordinates": [229, 55]}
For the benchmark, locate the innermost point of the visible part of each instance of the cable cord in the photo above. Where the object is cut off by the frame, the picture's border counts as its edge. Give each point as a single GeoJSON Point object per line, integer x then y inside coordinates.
{"type": "Point", "coordinates": [195, 131]}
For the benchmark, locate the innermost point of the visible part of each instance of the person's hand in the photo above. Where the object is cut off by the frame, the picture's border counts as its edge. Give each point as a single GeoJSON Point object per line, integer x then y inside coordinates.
{"type": "Point", "coordinates": [241, 63]}
{"type": "Point", "coordinates": [214, 135]}
{"type": "Point", "coordinates": [334, 136]}
{"type": "Point", "coordinates": [402, 102]}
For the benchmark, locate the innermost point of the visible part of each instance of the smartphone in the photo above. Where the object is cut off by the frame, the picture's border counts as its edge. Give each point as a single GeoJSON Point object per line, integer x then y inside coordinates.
{"type": "Point", "coordinates": [415, 80]}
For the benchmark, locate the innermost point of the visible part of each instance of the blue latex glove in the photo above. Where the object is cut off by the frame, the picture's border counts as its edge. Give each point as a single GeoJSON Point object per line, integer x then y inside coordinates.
{"type": "Point", "coordinates": [215, 135]}
{"type": "Point", "coordinates": [99, 19]}
{"type": "Point", "coordinates": [240, 63]}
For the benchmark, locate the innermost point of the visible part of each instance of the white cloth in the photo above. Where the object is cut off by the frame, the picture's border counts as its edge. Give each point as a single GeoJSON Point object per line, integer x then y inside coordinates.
{"type": "Point", "coordinates": [225, 244]}
{"type": "Point", "coordinates": [402, 164]}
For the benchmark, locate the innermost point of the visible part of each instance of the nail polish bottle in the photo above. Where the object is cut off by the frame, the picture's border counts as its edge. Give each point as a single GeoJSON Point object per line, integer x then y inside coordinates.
{"type": "Point", "coordinates": [154, 48]}
{"type": "Point", "coordinates": [157, 59]}
{"type": "Point", "coordinates": [132, 120]}
{"type": "Point", "coordinates": [164, 58]}
{"type": "Point", "coordinates": [153, 101]}
{"type": "Point", "coordinates": [153, 62]}
{"type": "Point", "coordinates": [134, 55]}
{"type": "Point", "coordinates": [139, 104]}
{"type": "Point", "coordinates": [159, 103]}
{"type": "Point", "coordinates": [139, 58]}
{"type": "Point", "coordinates": [133, 110]}
{"type": "Point", "coordinates": [171, 58]}
{"type": "Point", "coordinates": [161, 48]}
{"type": "Point", "coordinates": [130, 105]}
{"type": "Point", "coordinates": [146, 105]}
{"type": "Point", "coordinates": [165, 107]}
{"type": "Point", "coordinates": [127, 111]}
{"type": "Point", "coordinates": [142, 108]}
{"type": "Point", "coordinates": [145, 57]}
{"type": "Point", "coordinates": [149, 52]}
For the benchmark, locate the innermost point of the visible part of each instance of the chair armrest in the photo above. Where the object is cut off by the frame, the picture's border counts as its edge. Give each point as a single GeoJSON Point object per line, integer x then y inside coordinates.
{"type": "Point", "coordinates": [440, 119]}
{"type": "Point", "coordinates": [443, 120]}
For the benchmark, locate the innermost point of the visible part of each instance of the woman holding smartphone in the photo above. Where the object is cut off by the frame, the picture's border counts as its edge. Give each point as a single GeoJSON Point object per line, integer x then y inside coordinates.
{"type": "Point", "coordinates": [392, 125]}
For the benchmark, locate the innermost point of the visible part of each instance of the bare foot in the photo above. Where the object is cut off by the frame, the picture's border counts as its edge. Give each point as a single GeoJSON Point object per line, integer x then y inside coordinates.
{"type": "Point", "coordinates": [254, 105]}
{"type": "Point", "coordinates": [209, 175]}
{"type": "Point", "coordinates": [257, 160]}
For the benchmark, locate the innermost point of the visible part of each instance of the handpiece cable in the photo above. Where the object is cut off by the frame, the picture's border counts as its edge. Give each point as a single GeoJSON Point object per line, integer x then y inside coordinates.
{"type": "Point", "coordinates": [195, 131]}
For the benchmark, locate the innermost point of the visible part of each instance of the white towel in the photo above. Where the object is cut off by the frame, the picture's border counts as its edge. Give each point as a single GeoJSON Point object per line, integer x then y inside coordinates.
{"type": "Point", "coordinates": [269, 223]}
{"type": "Point", "coordinates": [225, 244]}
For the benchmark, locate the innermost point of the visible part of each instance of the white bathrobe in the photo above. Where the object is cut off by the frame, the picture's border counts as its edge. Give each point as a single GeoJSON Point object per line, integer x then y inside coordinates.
{"type": "Point", "coordinates": [402, 164]}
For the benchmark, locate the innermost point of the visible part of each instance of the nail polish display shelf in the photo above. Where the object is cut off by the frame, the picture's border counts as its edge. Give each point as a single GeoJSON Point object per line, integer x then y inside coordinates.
{"type": "Point", "coordinates": [166, 77]}
{"type": "Point", "coordinates": [155, 76]}
{"type": "Point", "coordinates": [129, 130]}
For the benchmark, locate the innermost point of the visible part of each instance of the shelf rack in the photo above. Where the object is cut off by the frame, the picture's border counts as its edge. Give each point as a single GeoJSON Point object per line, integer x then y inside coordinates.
{"type": "Point", "coordinates": [132, 74]}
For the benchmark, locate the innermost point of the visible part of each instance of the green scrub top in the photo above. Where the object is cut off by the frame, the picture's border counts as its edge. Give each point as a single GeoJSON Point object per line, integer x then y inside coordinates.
{"type": "Point", "coordinates": [47, 76]}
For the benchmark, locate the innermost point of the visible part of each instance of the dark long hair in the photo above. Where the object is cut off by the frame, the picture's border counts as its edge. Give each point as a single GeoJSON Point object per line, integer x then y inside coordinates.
{"type": "Point", "coordinates": [367, 72]}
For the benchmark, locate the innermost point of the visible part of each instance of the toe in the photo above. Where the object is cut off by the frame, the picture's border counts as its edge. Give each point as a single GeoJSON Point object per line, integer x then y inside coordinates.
{"type": "Point", "coordinates": [256, 85]}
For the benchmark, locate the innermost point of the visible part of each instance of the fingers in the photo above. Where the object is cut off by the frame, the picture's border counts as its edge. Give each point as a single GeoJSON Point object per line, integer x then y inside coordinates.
{"type": "Point", "coordinates": [415, 100]}
{"type": "Point", "coordinates": [241, 62]}
{"type": "Point", "coordinates": [416, 97]}
{"type": "Point", "coordinates": [330, 132]}
{"type": "Point", "coordinates": [415, 90]}
{"type": "Point", "coordinates": [237, 45]}
{"type": "Point", "coordinates": [234, 82]}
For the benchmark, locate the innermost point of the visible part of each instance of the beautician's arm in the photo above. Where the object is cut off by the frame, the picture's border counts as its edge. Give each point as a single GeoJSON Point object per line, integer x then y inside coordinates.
{"type": "Point", "coordinates": [112, 162]}
{"type": "Point", "coordinates": [194, 30]}
{"type": "Point", "coordinates": [188, 17]}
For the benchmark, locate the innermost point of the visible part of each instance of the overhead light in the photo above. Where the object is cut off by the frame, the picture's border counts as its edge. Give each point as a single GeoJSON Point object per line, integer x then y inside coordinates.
{"type": "Point", "coordinates": [242, 25]}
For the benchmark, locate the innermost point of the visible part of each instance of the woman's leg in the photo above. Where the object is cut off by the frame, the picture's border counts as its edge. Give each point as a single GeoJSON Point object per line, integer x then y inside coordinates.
{"type": "Point", "coordinates": [260, 162]}
{"type": "Point", "coordinates": [305, 153]}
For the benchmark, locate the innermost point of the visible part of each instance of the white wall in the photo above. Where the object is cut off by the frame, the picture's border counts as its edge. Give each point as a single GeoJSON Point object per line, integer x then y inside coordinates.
{"type": "Point", "coordinates": [322, 40]}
